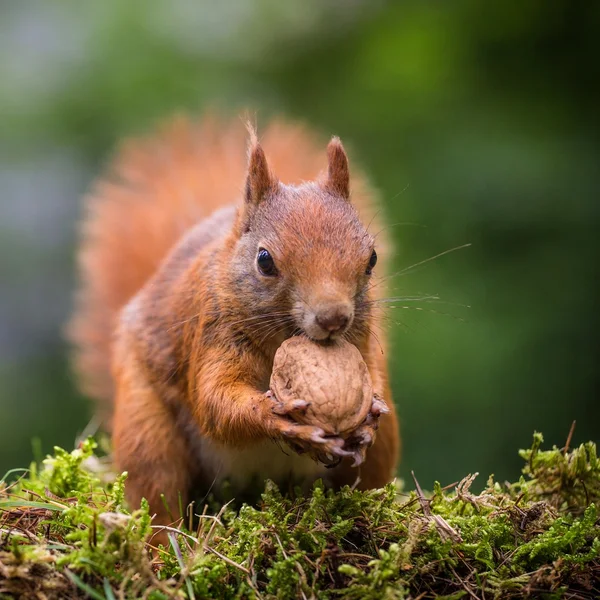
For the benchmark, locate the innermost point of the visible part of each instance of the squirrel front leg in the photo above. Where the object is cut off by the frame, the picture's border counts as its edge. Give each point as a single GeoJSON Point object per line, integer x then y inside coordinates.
{"type": "Point", "coordinates": [235, 412]}
{"type": "Point", "coordinates": [148, 445]}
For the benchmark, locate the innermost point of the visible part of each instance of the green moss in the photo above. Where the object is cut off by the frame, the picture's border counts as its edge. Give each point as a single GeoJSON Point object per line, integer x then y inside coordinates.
{"type": "Point", "coordinates": [65, 531]}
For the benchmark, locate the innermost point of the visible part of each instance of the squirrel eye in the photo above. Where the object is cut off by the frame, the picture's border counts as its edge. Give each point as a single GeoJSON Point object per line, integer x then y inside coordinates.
{"type": "Point", "coordinates": [372, 262]}
{"type": "Point", "coordinates": [265, 263]}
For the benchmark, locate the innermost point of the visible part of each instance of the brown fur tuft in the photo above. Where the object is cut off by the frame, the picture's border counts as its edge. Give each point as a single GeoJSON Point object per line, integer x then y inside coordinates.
{"type": "Point", "coordinates": [338, 174]}
{"type": "Point", "coordinates": [259, 181]}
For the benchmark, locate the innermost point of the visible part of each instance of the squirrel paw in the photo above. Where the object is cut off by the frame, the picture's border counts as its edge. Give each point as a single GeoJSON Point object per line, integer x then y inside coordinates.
{"type": "Point", "coordinates": [312, 440]}
{"type": "Point", "coordinates": [304, 439]}
{"type": "Point", "coordinates": [364, 436]}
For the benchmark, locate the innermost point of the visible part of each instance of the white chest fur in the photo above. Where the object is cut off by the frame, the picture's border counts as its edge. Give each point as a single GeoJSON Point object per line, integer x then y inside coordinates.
{"type": "Point", "coordinates": [265, 460]}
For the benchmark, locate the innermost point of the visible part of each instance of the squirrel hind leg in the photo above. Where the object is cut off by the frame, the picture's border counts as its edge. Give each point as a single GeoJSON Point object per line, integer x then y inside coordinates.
{"type": "Point", "coordinates": [148, 445]}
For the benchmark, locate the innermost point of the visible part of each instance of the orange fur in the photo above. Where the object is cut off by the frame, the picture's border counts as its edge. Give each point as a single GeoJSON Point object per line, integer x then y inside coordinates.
{"type": "Point", "coordinates": [169, 297]}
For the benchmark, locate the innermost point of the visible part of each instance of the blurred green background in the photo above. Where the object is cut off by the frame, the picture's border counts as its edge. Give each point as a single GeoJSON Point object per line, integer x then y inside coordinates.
{"type": "Point", "coordinates": [477, 121]}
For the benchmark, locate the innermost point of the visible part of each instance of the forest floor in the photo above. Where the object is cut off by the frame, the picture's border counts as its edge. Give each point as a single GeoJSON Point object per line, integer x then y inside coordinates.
{"type": "Point", "coordinates": [65, 532]}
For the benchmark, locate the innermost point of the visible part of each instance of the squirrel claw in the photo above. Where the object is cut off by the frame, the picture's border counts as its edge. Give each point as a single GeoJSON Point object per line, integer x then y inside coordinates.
{"type": "Point", "coordinates": [364, 436]}
{"type": "Point", "coordinates": [335, 446]}
{"type": "Point", "coordinates": [293, 406]}
{"type": "Point", "coordinates": [332, 453]}
{"type": "Point", "coordinates": [283, 409]}
{"type": "Point", "coordinates": [371, 422]}
{"type": "Point", "coordinates": [379, 407]}
{"type": "Point", "coordinates": [304, 433]}
{"type": "Point", "coordinates": [359, 456]}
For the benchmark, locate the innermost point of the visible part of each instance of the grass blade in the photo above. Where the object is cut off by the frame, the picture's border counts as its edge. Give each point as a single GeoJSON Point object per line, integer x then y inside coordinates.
{"type": "Point", "coordinates": [108, 590]}
{"type": "Point", "coordinates": [11, 471]}
{"type": "Point", "coordinates": [30, 504]}
{"type": "Point", "coordinates": [179, 556]}
{"type": "Point", "coordinates": [84, 587]}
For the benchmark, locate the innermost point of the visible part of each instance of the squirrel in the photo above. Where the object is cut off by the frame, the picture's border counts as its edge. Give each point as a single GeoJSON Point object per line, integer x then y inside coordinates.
{"type": "Point", "coordinates": [196, 262]}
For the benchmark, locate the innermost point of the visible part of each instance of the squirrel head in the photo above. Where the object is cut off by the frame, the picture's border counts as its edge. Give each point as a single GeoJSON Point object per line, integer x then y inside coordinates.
{"type": "Point", "coordinates": [302, 251]}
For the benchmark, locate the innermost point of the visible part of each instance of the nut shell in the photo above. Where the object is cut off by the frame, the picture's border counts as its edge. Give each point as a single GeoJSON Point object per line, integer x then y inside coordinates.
{"type": "Point", "coordinates": [333, 378]}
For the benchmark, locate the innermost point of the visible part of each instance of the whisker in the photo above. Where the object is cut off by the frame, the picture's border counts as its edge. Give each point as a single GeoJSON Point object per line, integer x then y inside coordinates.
{"type": "Point", "coordinates": [263, 323]}
{"type": "Point", "coordinates": [424, 310]}
{"type": "Point", "coordinates": [256, 332]}
{"type": "Point", "coordinates": [262, 320]}
{"type": "Point", "coordinates": [400, 192]}
{"type": "Point", "coordinates": [270, 321]}
{"type": "Point", "coordinates": [432, 300]}
{"type": "Point", "coordinates": [373, 218]}
{"type": "Point", "coordinates": [180, 323]}
{"type": "Point", "coordinates": [239, 321]}
{"type": "Point", "coordinates": [371, 332]}
{"type": "Point", "coordinates": [272, 332]}
{"type": "Point", "coordinates": [267, 327]}
{"type": "Point", "coordinates": [422, 262]}
{"type": "Point", "coordinates": [403, 299]}
{"type": "Point", "coordinates": [258, 317]}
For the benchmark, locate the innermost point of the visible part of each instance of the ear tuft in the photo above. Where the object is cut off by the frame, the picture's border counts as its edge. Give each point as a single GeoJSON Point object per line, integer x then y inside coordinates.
{"type": "Point", "coordinates": [338, 175]}
{"type": "Point", "coordinates": [259, 180]}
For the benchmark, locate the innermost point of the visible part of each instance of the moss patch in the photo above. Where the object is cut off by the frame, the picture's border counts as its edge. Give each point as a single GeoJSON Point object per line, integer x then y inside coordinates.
{"type": "Point", "coordinates": [65, 532]}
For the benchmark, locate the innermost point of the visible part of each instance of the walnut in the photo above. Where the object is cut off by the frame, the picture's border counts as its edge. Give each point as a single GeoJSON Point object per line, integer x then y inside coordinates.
{"type": "Point", "coordinates": [333, 378]}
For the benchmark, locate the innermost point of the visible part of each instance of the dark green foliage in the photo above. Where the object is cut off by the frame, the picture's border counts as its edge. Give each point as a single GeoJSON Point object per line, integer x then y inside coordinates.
{"type": "Point", "coordinates": [65, 533]}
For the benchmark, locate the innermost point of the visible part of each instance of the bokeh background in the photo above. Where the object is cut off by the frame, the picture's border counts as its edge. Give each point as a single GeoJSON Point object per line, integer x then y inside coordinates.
{"type": "Point", "coordinates": [477, 121]}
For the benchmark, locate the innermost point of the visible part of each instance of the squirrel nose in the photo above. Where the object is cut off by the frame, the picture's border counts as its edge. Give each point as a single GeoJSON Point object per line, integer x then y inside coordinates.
{"type": "Point", "coordinates": [332, 320]}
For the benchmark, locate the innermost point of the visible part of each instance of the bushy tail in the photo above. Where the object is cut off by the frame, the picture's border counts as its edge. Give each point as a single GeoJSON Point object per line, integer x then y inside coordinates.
{"type": "Point", "coordinates": [154, 190]}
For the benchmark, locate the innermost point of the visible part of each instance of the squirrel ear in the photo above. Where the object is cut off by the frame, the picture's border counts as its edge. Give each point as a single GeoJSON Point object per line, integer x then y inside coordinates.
{"type": "Point", "coordinates": [259, 180]}
{"type": "Point", "coordinates": [338, 174]}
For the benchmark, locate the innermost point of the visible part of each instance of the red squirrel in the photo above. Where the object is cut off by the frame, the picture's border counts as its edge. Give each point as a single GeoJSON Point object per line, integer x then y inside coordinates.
{"type": "Point", "coordinates": [196, 263]}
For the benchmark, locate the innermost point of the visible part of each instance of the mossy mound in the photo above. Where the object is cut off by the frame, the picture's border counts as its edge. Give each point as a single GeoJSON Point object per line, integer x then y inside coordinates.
{"type": "Point", "coordinates": [65, 533]}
